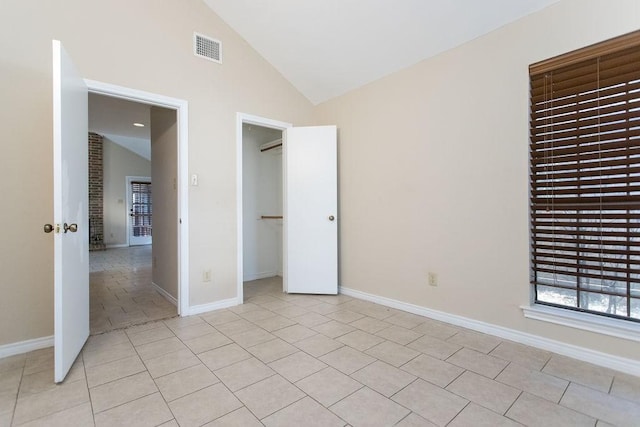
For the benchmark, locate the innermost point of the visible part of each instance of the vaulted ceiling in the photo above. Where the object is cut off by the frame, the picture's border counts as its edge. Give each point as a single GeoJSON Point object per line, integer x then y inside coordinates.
{"type": "Point", "coordinates": [326, 48]}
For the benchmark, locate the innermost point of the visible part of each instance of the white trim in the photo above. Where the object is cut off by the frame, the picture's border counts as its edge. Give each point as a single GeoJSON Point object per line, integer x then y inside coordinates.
{"type": "Point", "coordinates": [617, 363]}
{"type": "Point", "coordinates": [585, 321]}
{"type": "Point", "coordinates": [258, 276]}
{"type": "Point", "coordinates": [129, 179]}
{"type": "Point", "coordinates": [116, 246]}
{"type": "Point", "coordinates": [165, 294]}
{"type": "Point", "coordinates": [204, 308]}
{"type": "Point", "coordinates": [20, 347]}
{"type": "Point", "coordinates": [258, 121]}
{"type": "Point", "coordinates": [182, 111]}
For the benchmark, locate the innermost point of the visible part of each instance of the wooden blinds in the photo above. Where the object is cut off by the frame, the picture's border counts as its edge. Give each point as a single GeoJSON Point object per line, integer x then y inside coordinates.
{"type": "Point", "coordinates": [585, 179]}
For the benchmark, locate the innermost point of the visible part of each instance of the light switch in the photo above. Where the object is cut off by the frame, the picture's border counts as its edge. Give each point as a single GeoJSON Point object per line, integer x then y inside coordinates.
{"type": "Point", "coordinates": [194, 179]}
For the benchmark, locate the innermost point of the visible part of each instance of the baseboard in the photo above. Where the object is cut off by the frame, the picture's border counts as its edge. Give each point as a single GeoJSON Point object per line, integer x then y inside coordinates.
{"type": "Point", "coordinates": [165, 294]}
{"type": "Point", "coordinates": [120, 245]}
{"type": "Point", "coordinates": [617, 363]}
{"type": "Point", "coordinates": [204, 308]}
{"type": "Point", "coordinates": [258, 276]}
{"type": "Point", "coordinates": [25, 346]}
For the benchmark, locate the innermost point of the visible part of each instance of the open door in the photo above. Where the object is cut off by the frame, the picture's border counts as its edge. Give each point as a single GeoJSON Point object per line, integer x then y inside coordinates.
{"type": "Point", "coordinates": [310, 210]}
{"type": "Point", "coordinates": [70, 200]}
{"type": "Point", "coordinates": [140, 210]}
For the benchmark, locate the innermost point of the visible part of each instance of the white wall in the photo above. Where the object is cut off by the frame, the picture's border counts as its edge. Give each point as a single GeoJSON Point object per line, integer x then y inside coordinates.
{"type": "Point", "coordinates": [434, 172]}
{"type": "Point", "coordinates": [262, 195]}
{"type": "Point", "coordinates": [118, 163]}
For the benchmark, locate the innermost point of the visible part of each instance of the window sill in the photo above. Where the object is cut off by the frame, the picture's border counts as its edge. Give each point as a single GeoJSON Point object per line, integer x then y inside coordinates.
{"type": "Point", "coordinates": [585, 321]}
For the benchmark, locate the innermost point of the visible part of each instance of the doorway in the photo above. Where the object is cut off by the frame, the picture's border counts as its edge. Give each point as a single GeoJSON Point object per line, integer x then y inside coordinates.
{"type": "Point", "coordinates": [140, 210]}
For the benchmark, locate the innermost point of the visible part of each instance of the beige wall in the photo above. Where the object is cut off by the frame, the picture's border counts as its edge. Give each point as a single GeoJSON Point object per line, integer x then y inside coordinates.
{"type": "Point", "coordinates": [433, 172]}
{"type": "Point", "coordinates": [118, 163]}
{"type": "Point", "coordinates": [164, 174]}
{"type": "Point", "coordinates": [151, 51]}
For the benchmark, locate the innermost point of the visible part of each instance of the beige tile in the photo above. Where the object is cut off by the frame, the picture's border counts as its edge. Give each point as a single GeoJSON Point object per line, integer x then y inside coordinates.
{"type": "Point", "coordinates": [10, 381]}
{"type": "Point", "coordinates": [181, 383]}
{"type": "Point", "coordinates": [297, 366]}
{"type": "Point", "coordinates": [270, 395]}
{"type": "Point", "coordinates": [485, 392]}
{"type": "Point", "coordinates": [48, 402]}
{"type": "Point", "coordinates": [406, 320]}
{"type": "Point", "coordinates": [272, 350]}
{"type": "Point", "coordinates": [276, 322]}
{"type": "Point", "coordinates": [238, 418]}
{"type": "Point", "coordinates": [392, 353]}
{"type": "Point", "coordinates": [115, 393]}
{"type": "Point", "coordinates": [305, 300]}
{"type": "Point", "coordinates": [171, 362]}
{"type": "Point", "coordinates": [244, 308]}
{"type": "Point", "coordinates": [414, 420]}
{"type": "Point", "coordinates": [360, 340]}
{"type": "Point", "coordinates": [475, 340]}
{"type": "Point", "coordinates": [104, 341]}
{"type": "Point", "coordinates": [430, 402]}
{"type": "Point", "coordinates": [194, 331]}
{"type": "Point", "coordinates": [216, 318]}
{"type": "Point", "coordinates": [43, 381]}
{"type": "Point", "coordinates": [147, 411]}
{"type": "Point", "coordinates": [345, 316]}
{"type": "Point", "coordinates": [112, 371]}
{"type": "Point", "coordinates": [183, 322]}
{"type": "Point", "coordinates": [252, 337]}
{"type": "Point", "coordinates": [477, 416]}
{"type": "Point", "coordinates": [80, 415]}
{"type": "Point", "coordinates": [477, 362]}
{"type": "Point", "coordinates": [365, 407]}
{"type": "Point", "coordinates": [235, 327]}
{"type": "Point", "coordinates": [399, 334]}
{"type": "Point", "coordinates": [256, 316]}
{"type": "Point", "coordinates": [347, 360]}
{"type": "Point", "coordinates": [311, 319]}
{"type": "Point", "coordinates": [328, 386]}
{"type": "Point", "coordinates": [580, 372]}
{"type": "Point", "coordinates": [113, 353]}
{"type": "Point", "coordinates": [627, 387]}
{"type": "Point", "coordinates": [383, 378]}
{"type": "Point", "coordinates": [324, 308]}
{"type": "Point", "coordinates": [170, 423]}
{"type": "Point", "coordinates": [11, 363]}
{"type": "Point", "coordinates": [158, 348]}
{"type": "Point", "coordinates": [534, 382]}
{"type": "Point", "coordinates": [294, 333]}
{"type": "Point", "coordinates": [536, 412]}
{"type": "Point", "coordinates": [334, 329]}
{"type": "Point", "coordinates": [223, 356]}
{"type": "Point", "coordinates": [369, 324]}
{"type": "Point", "coordinates": [318, 345]}
{"type": "Point", "coordinates": [8, 401]}
{"type": "Point", "coordinates": [436, 329]}
{"type": "Point", "coordinates": [305, 412]}
{"type": "Point", "coordinates": [38, 363]}
{"type": "Point", "coordinates": [288, 310]}
{"type": "Point", "coordinates": [206, 405]}
{"type": "Point", "coordinates": [244, 373]}
{"type": "Point", "coordinates": [433, 370]}
{"type": "Point", "coordinates": [207, 342]}
{"type": "Point", "coordinates": [601, 405]}
{"type": "Point", "coordinates": [5, 419]}
{"type": "Point", "coordinates": [529, 357]}
{"type": "Point", "coordinates": [434, 347]}
{"type": "Point", "coordinates": [151, 335]}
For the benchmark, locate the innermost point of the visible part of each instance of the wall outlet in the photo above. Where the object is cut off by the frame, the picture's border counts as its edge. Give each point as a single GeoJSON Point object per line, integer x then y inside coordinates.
{"type": "Point", "coordinates": [206, 276]}
{"type": "Point", "coordinates": [433, 279]}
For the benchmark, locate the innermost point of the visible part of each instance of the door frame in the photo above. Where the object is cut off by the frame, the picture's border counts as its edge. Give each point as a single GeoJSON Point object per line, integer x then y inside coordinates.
{"type": "Point", "coordinates": [243, 118]}
{"type": "Point", "coordinates": [181, 107]}
{"type": "Point", "coordinates": [129, 180]}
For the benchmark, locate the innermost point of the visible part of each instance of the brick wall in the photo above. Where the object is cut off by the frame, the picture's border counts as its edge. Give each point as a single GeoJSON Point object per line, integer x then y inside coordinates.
{"type": "Point", "coordinates": [96, 211]}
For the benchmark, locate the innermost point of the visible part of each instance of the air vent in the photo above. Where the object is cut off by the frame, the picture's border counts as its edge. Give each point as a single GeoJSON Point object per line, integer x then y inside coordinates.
{"type": "Point", "coordinates": [207, 48]}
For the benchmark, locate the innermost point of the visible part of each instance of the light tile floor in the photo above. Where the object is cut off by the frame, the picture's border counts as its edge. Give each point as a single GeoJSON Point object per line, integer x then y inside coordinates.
{"type": "Point", "coordinates": [300, 360]}
{"type": "Point", "coordinates": [121, 293]}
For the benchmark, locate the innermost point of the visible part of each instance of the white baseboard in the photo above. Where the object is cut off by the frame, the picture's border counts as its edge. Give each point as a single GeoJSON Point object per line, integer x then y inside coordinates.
{"type": "Point", "coordinates": [165, 294]}
{"type": "Point", "coordinates": [25, 346]}
{"type": "Point", "coordinates": [258, 276]}
{"type": "Point", "coordinates": [119, 245]}
{"type": "Point", "coordinates": [617, 363]}
{"type": "Point", "coordinates": [204, 308]}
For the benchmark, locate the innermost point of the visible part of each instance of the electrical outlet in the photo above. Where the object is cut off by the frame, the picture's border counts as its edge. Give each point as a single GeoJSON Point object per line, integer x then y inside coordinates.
{"type": "Point", "coordinates": [433, 279]}
{"type": "Point", "coordinates": [206, 276]}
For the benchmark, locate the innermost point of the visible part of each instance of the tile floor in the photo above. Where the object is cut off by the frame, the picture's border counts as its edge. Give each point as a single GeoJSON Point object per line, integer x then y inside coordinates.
{"type": "Point", "coordinates": [300, 360]}
{"type": "Point", "coordinates": [121, 294]}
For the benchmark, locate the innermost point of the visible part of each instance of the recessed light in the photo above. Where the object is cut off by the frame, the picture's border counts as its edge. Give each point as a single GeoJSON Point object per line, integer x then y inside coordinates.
{"type": "Point", "coordinates": [140, 125]}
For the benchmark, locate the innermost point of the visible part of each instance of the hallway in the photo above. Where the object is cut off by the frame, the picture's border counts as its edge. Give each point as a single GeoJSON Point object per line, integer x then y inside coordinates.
{"type": "Point", "coordinates": [121, 293]}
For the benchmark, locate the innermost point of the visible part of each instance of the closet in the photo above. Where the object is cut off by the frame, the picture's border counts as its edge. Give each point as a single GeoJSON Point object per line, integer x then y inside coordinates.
{"type": "Point", "coordinates": [262, 202]}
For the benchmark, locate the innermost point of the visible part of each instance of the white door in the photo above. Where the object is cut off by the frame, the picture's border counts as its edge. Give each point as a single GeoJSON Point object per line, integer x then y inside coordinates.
{"type": "Point", "coordinates": [140, 210]}
{"type": "Point", "coordinates": [70, 200]}
{"type": "Point", "coordinates": [310, 210]}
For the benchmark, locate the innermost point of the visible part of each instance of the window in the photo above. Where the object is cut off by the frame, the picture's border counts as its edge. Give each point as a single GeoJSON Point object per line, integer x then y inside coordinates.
{"type": "Point", "coordinates": [585, 179]}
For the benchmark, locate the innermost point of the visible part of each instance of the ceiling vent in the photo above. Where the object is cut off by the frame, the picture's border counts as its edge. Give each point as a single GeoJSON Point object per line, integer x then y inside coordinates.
{"type": "Point", "coordinates": [207, 48]}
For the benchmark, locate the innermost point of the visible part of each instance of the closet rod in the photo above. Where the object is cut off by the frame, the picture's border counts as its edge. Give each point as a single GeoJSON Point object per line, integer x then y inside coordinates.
{"type": "Point", "coordinates": [271, 217]}
{"type": "Point", "coordinates": [262, 150]}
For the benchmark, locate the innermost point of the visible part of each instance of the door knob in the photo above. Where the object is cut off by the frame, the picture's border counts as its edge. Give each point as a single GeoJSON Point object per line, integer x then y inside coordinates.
{"type": "Point", "coordinates": [331, 218]}
{"type": "Point", "coordinates": [48, 228]}
{"type": "Point", "coordinates": [70, 227]}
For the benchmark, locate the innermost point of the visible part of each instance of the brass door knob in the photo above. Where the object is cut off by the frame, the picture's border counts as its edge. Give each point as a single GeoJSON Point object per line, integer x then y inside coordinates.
{"type": "Point", "coordinates": [48, 228]}
{"type": "Point", "coordinates": [70, 227]}
{"type": "Point", "coordinates": [331, 218]}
